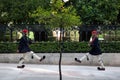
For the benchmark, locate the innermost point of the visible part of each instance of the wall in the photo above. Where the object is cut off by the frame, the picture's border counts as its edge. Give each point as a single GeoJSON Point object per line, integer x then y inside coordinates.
{"type": "Point", "coordinates": [110, 59]}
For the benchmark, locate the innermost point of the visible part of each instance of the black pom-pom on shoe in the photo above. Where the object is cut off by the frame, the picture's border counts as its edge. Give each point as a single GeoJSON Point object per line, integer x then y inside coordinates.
{"type": "Point", "coordinates": [32, 57]}
{"type": "Point", "coordinates": [43, 58]}
{"type": "Point", "coordinates": [77, 60]}
{"type": "Point", "coordinates": [100, 68]}
{"type": "Point", "coordinates": [22, 66]}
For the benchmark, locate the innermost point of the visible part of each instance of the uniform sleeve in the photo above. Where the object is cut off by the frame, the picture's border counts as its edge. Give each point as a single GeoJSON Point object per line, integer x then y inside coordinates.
{"type": "Point", "coordinates": [29, 40]}
{"type": "Point", "coordinates": [20, 44]}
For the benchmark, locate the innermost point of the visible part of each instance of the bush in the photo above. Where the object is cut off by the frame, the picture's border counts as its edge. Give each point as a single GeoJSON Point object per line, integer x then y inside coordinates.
{"type": "Point", "coordinates": [43, 47]}
{"type": "Point", "coordinates": [110, 47]}
{"type": "Point", "coordinates": [75, 47]}
{"type": "Point", "coordinates": [67, 47]}
{"type": "Point", "coordinates": [8, 47]}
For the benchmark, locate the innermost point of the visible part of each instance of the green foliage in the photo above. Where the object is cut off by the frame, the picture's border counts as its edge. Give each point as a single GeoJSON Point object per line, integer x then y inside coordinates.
{"type": "Point", "coordinates": [8, 47]}
{"type": "Point", "coordinates": [41, 15]}
{"type": "Point", "coordinates": [68, 47]}
{"type": "Point", "coordinates": [97, 11]}
{"type": "Point", "coordinates": [75, 47]}
{"type": "Point", "coordinates": [57, 15]}
{"type": "Point", "coordinates": [89, 11]}
{"type": "Point", "coordinates": [18, 11]}
{"type": "Point", "coordinates": [45, 47]}
{"type": "Point", "coordinates": [112, 47]}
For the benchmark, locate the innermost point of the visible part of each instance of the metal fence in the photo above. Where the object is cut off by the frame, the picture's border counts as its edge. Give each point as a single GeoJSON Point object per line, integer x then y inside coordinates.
{"type": "Point", "coordinates": [109, 36]}
{"type": "Point", "coordinates": [9, 33]}
{"type": "Point", "coordinates": [41, 33]}
{"type": "Point", "coordinates": [106, 32]}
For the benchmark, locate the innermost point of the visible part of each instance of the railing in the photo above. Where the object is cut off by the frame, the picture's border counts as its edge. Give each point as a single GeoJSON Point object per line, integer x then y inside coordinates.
{"type": "Point", "coordinates": [41, 33]}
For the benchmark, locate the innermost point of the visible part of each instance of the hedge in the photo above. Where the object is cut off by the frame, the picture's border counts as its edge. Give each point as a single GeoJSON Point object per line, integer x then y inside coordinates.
{"type": "Point", "coordinates": [67, 47]}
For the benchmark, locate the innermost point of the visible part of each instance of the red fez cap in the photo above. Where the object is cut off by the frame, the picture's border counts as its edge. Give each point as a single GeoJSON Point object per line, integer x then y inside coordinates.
{"type": "Point", "coordinates": [94, 32]}
{"type": "Point", "coordinates": [25, 31]}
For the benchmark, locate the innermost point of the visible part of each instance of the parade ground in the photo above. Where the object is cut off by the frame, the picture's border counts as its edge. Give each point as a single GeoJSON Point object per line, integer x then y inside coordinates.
{"type": "Point", "coordinates": [51, 72]}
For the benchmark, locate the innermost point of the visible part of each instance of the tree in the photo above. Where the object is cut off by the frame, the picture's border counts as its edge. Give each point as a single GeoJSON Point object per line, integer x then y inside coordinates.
{"type": "Point", "coordinates": [18, 11]}
{"type": "Point", "coordinates": [57, 15]}
{"type": "Point", "coordinates": [97, 11]}
{"type": "Point", "coordinates": [118, 17]}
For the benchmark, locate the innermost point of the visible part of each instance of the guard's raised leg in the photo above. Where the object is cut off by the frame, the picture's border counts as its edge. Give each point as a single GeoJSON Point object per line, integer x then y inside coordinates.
{"type": "Point", "coordinates": [82, 58]}
{"type": "Point", "coordinates": [36, 56]}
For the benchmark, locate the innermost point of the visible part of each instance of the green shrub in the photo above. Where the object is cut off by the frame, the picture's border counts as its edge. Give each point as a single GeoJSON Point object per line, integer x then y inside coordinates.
{"type": "Point", "coordinates": [8, 47]}
{"type": "Point", "coordinates": [67, 47]}
{"type": "Point", "coordinates": [43, 47]}
{"type": "Point", "coordinates": [112, 47]}
{"type": "Point", "coordinates": [75, 47]}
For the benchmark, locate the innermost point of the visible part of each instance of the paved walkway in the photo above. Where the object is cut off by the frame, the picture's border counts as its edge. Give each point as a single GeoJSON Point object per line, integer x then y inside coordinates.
{"type": "Point", "coordinates": [50, 72]}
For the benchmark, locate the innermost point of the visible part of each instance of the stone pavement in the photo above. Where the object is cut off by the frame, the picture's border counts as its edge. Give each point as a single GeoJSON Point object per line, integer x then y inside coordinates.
{"type": "Point", "coordinates": [50, 72]}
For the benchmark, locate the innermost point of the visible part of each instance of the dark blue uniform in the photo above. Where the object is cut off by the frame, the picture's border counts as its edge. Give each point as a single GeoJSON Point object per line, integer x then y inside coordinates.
{"type": "Point", "coordinates": [24, 44]}
{"type": "Point", "coordinates": [95, 47]}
